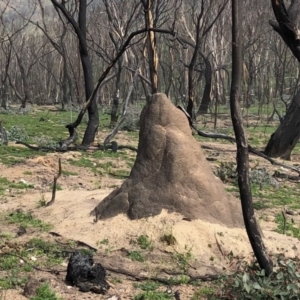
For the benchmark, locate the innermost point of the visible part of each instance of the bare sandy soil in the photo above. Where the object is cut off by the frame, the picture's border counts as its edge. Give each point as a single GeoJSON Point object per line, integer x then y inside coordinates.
{"type": "Point", "coordinates": [210, 244]}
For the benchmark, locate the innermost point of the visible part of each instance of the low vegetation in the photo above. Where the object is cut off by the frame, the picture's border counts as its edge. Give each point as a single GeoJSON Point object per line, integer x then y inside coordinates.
{"type": "Point", "coordinates": [18, 260]}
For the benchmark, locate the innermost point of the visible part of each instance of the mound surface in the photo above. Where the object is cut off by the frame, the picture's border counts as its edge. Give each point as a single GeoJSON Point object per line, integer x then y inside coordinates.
{"type": "Point", "coordinates": [170, 172]}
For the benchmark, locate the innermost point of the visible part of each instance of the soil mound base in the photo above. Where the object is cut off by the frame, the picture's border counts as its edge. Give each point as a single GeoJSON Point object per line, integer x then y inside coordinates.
{"type": "Point", "coordinates": [170, 172]}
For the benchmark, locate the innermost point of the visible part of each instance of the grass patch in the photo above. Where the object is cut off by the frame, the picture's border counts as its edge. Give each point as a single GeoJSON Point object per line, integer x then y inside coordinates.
{"type": "Point", "coordinates": [52, 253]}
{"type": "Point", "coordinates": [150, 292]}
{"type": "Point", "coordinates": [121, 174]}
{"type": "Point", "coordinates": [136, 256]}
{"type": "Point", "coordinates": [203, 292]}
{"type": "Point", "coordinates": [153, 295]}
{"type": "Point", "coordinates": [26, 220]}
{"type": "Point", "coordinates": [83, 163]}
{"type": "Point", "coordinates": [282, 196]}
{"type": "Point", "coordinates": [44, 292]}
{"type": "Point", "coordinates": [286, 226]}
{"type": "Point", "coordinates": [12, 155]}
{"type": "Point", "coordinates": [143, 242]}
{"type": "Point", "coordinates": [69, 173]}
{"type": "Point", "coordinates": [183, 260]}
{"type": "Point", "coordinates": [27, 173]}
{"type": "Point", "coordinates": [6, 184]}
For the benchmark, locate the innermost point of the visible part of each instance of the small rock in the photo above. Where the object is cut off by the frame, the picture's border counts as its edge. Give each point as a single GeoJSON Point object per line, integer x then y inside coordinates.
{"type": "Point", "coordinates": [30, 287]}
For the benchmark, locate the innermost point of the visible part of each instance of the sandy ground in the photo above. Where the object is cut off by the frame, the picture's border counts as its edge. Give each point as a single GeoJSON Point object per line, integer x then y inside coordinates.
{"type": "Point", "coordinates": [211, 245]}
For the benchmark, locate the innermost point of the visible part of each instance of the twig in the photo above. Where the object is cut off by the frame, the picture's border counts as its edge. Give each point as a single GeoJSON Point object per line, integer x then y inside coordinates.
{"type": "Point", "coordinates": [219, 246]}
{"type": "Point", "coordinates": [284, 221]}
{"type": "Point", "coordinates": [54, 183]}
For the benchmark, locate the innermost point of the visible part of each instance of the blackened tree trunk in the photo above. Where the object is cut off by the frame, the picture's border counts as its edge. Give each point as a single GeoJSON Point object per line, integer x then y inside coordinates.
{"type": "Point", "coordinates": [241, 141]}
{"type": "Point", "coordinates": [284, 139]}
{"type": "Point", "coordinates": [191, 88]}
{"type": "Point", "coordinates": [286, 136]}
{"type": "Point", "coordinates": [116, 99]}
{"type": "Point", "coordinates": [206, 97]}
{"type": "Point", "coordinates": [80, 30]}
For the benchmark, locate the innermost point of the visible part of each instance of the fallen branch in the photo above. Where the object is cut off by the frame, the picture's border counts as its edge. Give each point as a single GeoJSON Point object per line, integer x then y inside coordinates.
{"type": "Point", "coordinates": [113, 146]}
{"type": "Point", "coordinates": [54, 184]}
{"type": "Point", "coordinates": [70, 140]}
{"type": "Point", "coordinates": [231, 139]}
{"type": "Point", "coordinates": [138, 277]}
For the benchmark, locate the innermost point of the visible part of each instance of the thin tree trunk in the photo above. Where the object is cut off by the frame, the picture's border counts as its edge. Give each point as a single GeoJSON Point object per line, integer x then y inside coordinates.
{"type": "Point", "coordinates": [152, 51]}
{"type": "Point", "coordinates": [116, 98]}
{"type": "Point", "coordinates": [242, 145]}
{"type": "Point", "coordinates": [206, 98]}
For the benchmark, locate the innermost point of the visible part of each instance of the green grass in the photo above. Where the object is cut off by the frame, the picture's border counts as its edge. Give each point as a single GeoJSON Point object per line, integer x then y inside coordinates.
{"type": "Point", "coordinates": [53, 253]}
{"type": "Point", "coordinates": [282, 196]}
{"type": "Point", "coordinates": [83, 162]}
{"type": "Point", "coordinates": [52, 126]}
{"type": "Point", "coordinates": [121, 174]}
{"type": "Point", "coordinates": [11, 155]}
{"type": "Point", "coordinates": [27, 173]}
{"type": "Point", "coordinates": [26, 220]}
{"type": "Point", "coordinates": [144, 242]}
{"type": "Point", "coordinates": [150, 292]}
{"type": "Point", "coordinates": [153, 295]}
{"type": "Point", "coordinates": [183, 259]}
{"type": "Point", "coordinates": [136, 256]}
{"type": "Point", "coordinates": [6, 184]}
{"type": "Point", "coordinates": [289, 228]}
{"type": "Point", "coordinates": [203, 292]}
{"type": "Point", "coordinates": [44, 292]}
{"type": "Point", "coordinates": [69, 173]}
{"type": "Point", "coordinates": [58, 187]}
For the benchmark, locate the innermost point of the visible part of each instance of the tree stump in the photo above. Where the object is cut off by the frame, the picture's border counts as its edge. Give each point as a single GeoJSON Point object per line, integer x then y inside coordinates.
{"type": "Point", "coordinates": [170, 172]}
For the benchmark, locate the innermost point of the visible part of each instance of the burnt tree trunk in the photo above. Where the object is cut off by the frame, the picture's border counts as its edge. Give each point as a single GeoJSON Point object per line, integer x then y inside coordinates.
{"type": "Point", "coordinates": [242, 144]}
{"type": "Point", "coordinates": [93, 122]}
{"type": "Point", "coordinates": [191, 86]}
{"type": "Point", "coordinates": [116, 100]}
{"type": "Point", "coordinates": [206, 98]}
{"type": "Point", "coordinates": [284, 139]}
{"type": "Point", "coordinates": [286, 136]}
{"type": "Point", "coordinates": [80, 30]}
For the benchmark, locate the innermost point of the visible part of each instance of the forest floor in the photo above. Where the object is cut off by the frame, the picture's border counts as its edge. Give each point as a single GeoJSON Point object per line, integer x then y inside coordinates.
{"type": "Point", "coordinates": [163, 248]}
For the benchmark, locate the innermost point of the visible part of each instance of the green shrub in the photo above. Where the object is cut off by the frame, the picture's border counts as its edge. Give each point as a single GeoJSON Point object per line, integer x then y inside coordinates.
{"type": "Point", "coordinates": [252, 283]}
{"type": "Point", "coordinates": [17, 133]}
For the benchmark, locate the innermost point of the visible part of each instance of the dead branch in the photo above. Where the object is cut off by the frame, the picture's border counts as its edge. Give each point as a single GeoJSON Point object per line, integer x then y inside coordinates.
{"type": "Point", "coordinates": [138, 277]}
{"type": "Point", "coordinates": [116, 129]}
{"type": "Point", "coordinates": [284, 222]}
{"type": "Point", "coordinates": [231, 139]}
{"type": "Point", "coordinates": [70, 140]}
{"type": "Point", "coordinates": [54, 184]}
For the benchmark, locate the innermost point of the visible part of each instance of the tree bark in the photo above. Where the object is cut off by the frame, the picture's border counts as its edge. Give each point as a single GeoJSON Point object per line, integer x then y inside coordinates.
{"type": "Point", "coordinates": [284, 139]}
{"type": "Point", "coordinates": [116, 99]}
{"type": "Point", "coordinates": [242, 144]}
{"type": "Point", "coordinates": [286, 136]}
{"type": "Point", "coordinates": [152, 50]}
{"type": "Point", "coordinates": [80, 30]}
{"type": "Point", "coordinates": [206, 98]}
